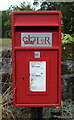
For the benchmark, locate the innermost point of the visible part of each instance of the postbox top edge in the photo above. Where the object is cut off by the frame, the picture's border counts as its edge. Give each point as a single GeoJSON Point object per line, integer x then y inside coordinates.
{"type": "Point", "coordinates": [36, 12]}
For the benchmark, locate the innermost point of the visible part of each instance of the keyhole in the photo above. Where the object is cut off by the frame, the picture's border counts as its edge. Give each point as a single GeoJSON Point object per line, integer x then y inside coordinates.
{"type": "Point", "coordinates": [22, 78]}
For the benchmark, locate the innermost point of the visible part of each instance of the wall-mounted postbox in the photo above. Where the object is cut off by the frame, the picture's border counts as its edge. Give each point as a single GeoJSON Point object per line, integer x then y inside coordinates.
{"type": "Point", "coordinates": [36, 58]}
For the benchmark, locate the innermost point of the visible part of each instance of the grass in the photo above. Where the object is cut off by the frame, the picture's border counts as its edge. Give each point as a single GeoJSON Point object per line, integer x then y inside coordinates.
{"type": "Point", "coordinates": [6, 42]}
{"type": "Point", "coordinates": [0, 42]}
{"type": "Point", "coordinates": [6, 103]}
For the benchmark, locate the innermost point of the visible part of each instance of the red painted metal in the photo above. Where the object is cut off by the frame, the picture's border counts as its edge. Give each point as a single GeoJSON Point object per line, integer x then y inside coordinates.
{"type": "Point", "coordinates": [34, 22]}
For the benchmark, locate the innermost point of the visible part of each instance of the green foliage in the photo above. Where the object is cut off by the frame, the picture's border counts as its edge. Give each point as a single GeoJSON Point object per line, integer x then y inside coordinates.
{"type": "Point", "coordinates": [0, 24]}
{"type": "Point", "coordinates": [21, 7]}
{"type": "Point", "coordinates": [67, 47]}
{"type": "Point", "coordinates": [66, 38]}
{"type": "Point", "coordinates": [6, 24]}
{"type": "Point", "coordinates": [67, 10]}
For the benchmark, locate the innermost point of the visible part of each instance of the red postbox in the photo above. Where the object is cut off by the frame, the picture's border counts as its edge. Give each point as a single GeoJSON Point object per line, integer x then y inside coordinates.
{"type": "Point", "coordinates": [36, 58]}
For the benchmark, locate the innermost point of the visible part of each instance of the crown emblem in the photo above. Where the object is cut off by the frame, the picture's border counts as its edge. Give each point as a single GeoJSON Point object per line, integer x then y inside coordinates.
{"type": "Point", "coordinates": [28, 40]}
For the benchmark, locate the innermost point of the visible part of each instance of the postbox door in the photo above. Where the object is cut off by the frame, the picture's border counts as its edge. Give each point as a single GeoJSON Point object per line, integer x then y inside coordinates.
{"type": "Point", "coordinates": [25, 92]}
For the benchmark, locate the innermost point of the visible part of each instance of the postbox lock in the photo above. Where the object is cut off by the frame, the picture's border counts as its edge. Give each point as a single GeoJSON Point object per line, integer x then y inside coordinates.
{"type": "Point", "coordinates": [22, 78]}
